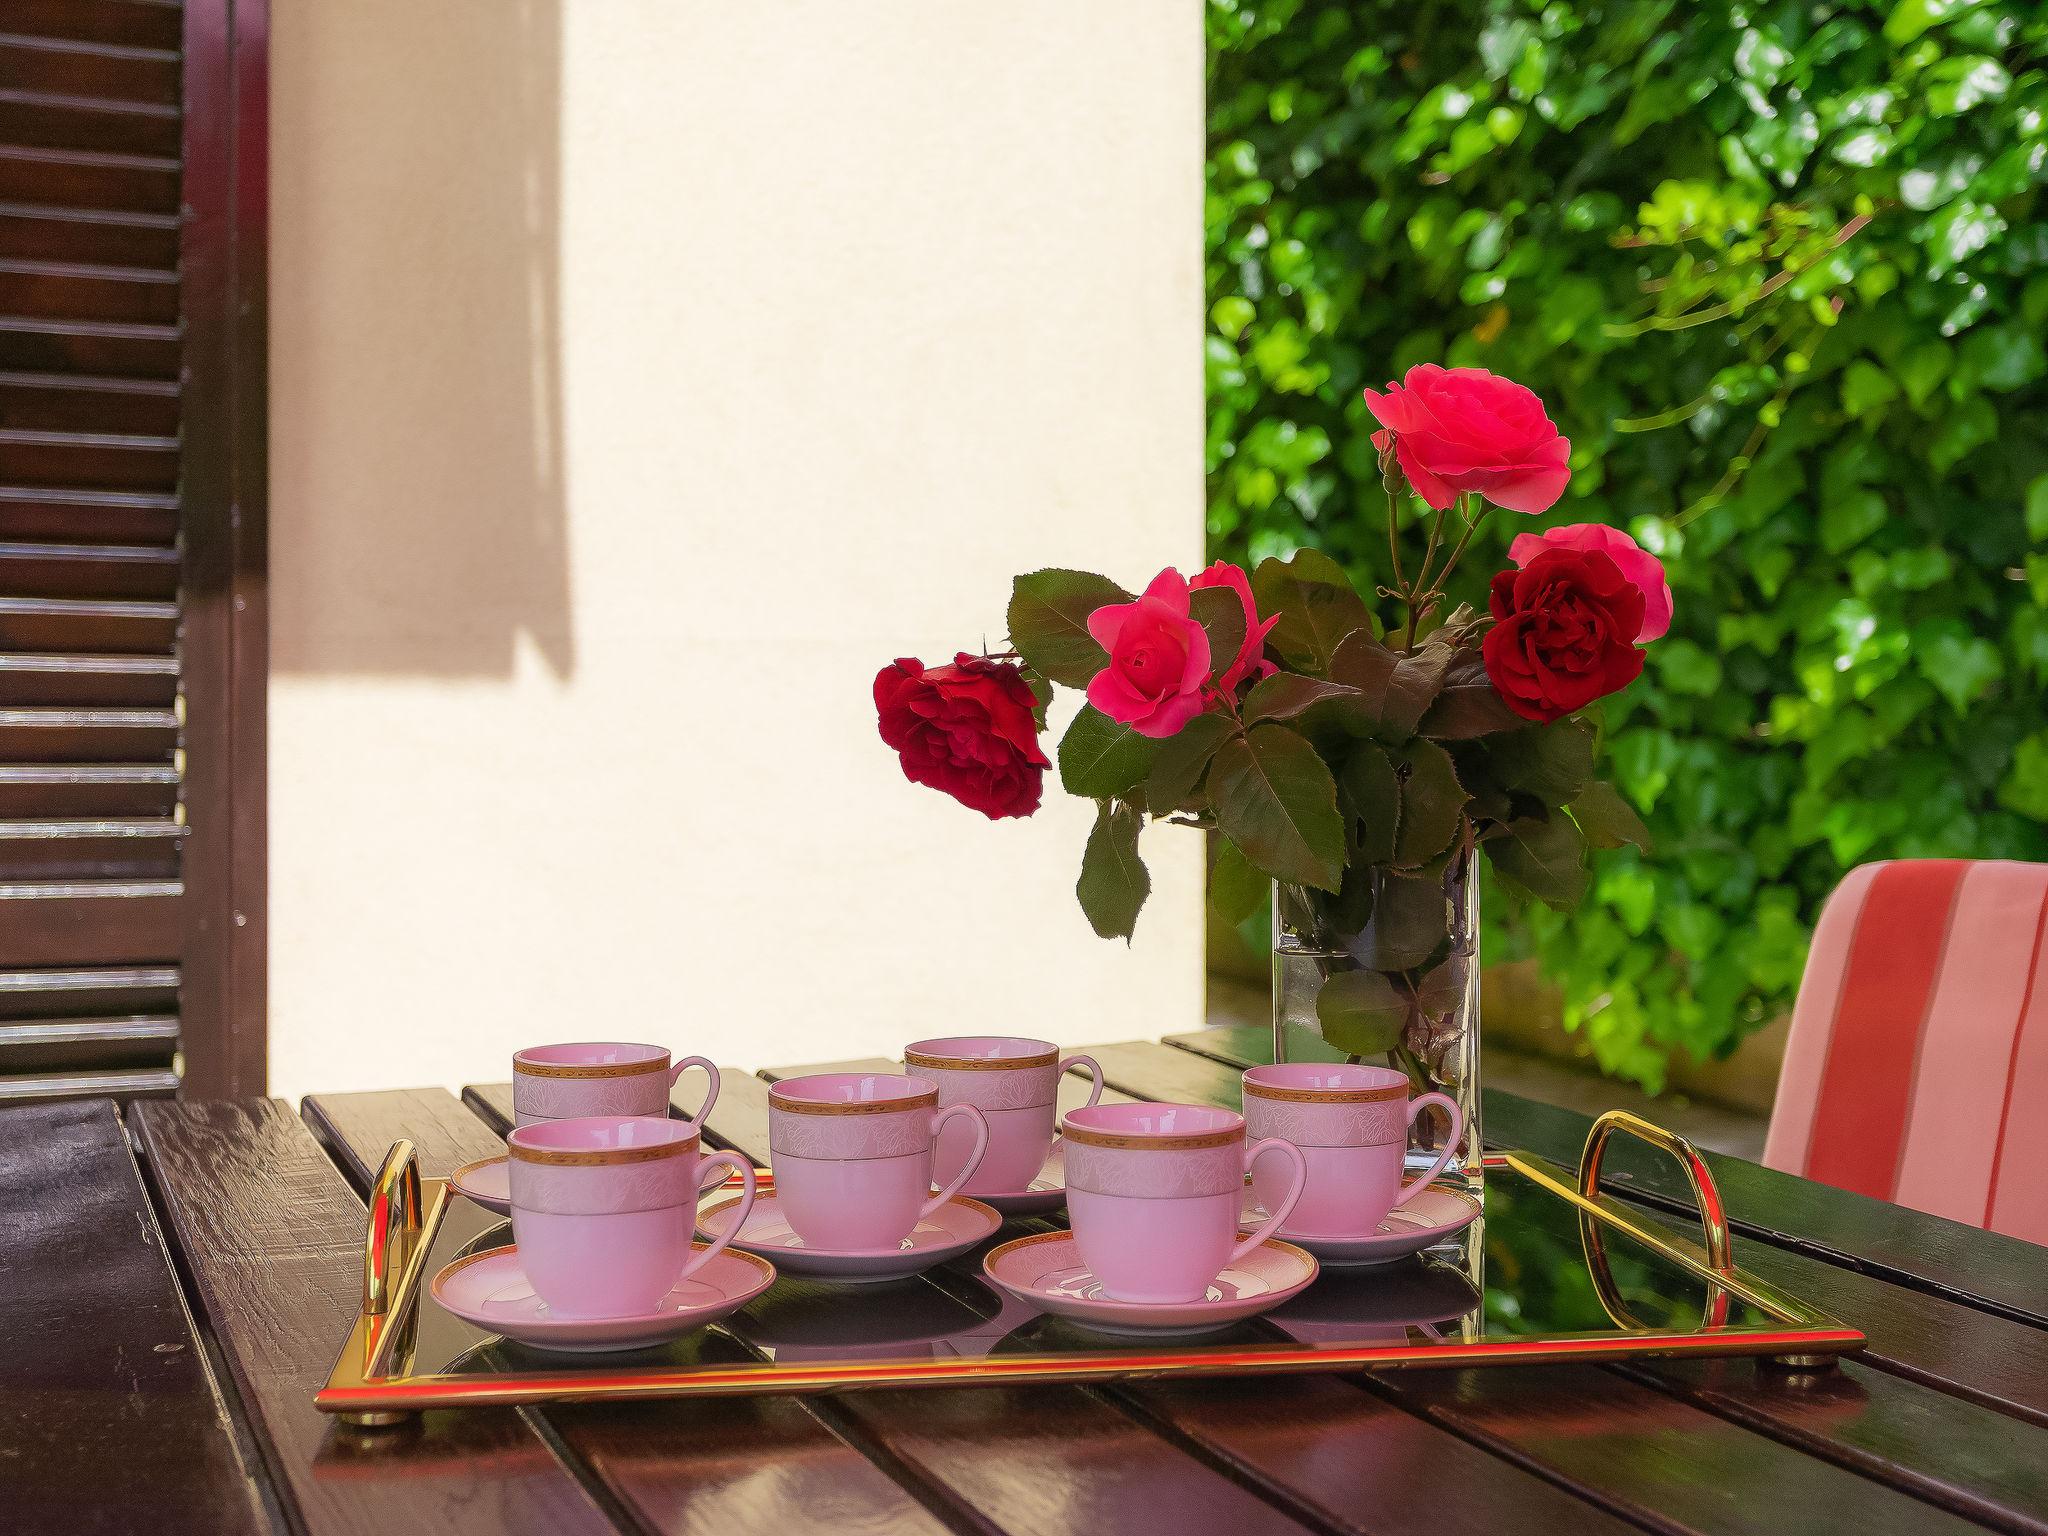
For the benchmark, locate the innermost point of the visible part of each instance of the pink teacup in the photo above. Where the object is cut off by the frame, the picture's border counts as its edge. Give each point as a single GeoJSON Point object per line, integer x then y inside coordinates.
{"type": "Point", "coordinates": [567, 1082]}
{"type": "Point", "coordinates": [853, 1151]}
{"type": "Point", "coordinates": [1015, 1083]}
{"type": "Point", "coordinates": [1154, 1191]}
{"type": "Point", "coordinates": [1351, 1123]}
{"type": "Point", "coordinates": [604, 1210]}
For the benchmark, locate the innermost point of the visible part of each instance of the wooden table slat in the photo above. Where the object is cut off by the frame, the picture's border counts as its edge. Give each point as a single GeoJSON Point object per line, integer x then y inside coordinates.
{"type": "Point", "coordinates": [766, 1464]}
{"type": "Point", "coordinates": [110, 1420]}
{"type": "Point", "coordinates": [1316, 1445]}
{"type": "Point", "coordinates": [1899, 1435]}
{"type": "Point", "coordinates": [272, 1237]}
{"type": "Point", "coordinates": [1045, 1460]}
{"type": "Point", "coordinates": [1910, 1248]}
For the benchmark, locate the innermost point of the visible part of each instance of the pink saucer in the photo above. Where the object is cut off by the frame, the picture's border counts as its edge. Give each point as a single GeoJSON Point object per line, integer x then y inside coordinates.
{"type": "Point", "coordinates": [485, 1181]}
{"type": "Point", "coordinates": [952, 1229]}
{"type": "Point", "coordinates": [490, 1290]}
{"type": "Point", "coordinates": [1439, 1212]}
{"type": "Point", "coordinates": [1046, 1270]}
{"type": "Point", "coordinates": [1047, 1192]}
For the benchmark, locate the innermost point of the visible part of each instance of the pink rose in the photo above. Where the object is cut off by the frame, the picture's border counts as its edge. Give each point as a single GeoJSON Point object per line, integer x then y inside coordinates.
{"type": "Point", "coordinates": [1251, 663]}
{"type": "Point", "coordinates": [1158, 659]}
{"type": "Point", "coordinates": [1644, 571]}
{"type": "Point", "coordinates": [1464, 429]}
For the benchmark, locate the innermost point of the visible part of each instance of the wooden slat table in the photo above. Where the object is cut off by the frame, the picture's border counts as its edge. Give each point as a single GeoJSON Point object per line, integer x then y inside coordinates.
{"type": "Point", "coordinates": [166, 1387]}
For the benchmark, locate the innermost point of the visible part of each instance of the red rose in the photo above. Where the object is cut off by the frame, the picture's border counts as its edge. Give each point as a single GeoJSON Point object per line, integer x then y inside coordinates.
{"type": "Point", "coordinates": [1637, 564]}
{"type": "Point", "coordinates": [1464, 429]}
{"type": "Point", "coordinates": [1564, 632]}
{"type": "Point", "coordinates": [1158, 659]}
{"type": "Point", "coordinates": [966, 729]}
{"type": "Point", "coordinates": [1251, 663]}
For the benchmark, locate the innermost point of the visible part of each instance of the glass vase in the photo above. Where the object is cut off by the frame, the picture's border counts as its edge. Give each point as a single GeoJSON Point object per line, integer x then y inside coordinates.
{"type": "Point", "coordinates": [1437, 1043]}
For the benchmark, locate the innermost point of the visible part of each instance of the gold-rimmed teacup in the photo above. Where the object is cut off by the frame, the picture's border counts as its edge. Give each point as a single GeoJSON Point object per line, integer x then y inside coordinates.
{"type": "Point", "coordinates": [569, 1082]}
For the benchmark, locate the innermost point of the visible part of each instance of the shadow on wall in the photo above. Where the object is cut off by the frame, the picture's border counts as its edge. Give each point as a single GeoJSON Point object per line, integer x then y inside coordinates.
{"type": "Point", "coordinates": [418, 522]}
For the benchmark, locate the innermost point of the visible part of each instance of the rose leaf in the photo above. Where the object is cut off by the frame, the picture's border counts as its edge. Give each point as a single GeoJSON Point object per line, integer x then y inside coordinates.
{"type": "Point", "coordinates": [1113, 883]}
{"type": "Point", "coordinates": [1469, 705]}
{"type": "Point", "coordinates": [1049, 623]}
{"type": "Point", "coordinates": [1362, 1013]}
{"type": "Point", "coordinates": [1220, 612]}
{"type": "Point", "coordinates": [1181, 760]}
{"type": "Point", "coordinates": [1606, 819]}
{"type": "Point", "coordinates": [1100, 757]}
{"type": "Point", "coordinates": [1277, 802]}
{"type": "Point", "coordinates": [1545, 857]}
{"type": "Point", "coordinates": [1372, 795]}
{"type": "Point", "coordinates": [1409, 920]}
{"type": "Point", "coordinates": [1316, 604]}
{"type": "Point", "coordinates": [1432, 800]}
{"type": "Point", "coordinates": [1395, 687]}
{"type": "Point", "coordinates": [1551, 763]}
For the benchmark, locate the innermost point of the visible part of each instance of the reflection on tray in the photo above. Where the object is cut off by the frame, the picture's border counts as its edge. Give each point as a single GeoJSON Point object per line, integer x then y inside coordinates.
{"type": "Point", "coordinates": [1522, 1272]}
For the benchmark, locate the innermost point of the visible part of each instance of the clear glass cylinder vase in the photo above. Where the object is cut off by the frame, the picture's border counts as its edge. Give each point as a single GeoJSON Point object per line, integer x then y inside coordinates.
{"type": "Point", "coordinates": [1436, 1040]}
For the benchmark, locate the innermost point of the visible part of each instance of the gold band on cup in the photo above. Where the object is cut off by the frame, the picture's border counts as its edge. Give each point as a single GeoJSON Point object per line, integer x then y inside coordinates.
{"type": "Point", "coordinates": [928, 1099]}
{"type": "Point", "coordinates": [1126, 1142]}
{"type": "Point", "coordinates": [979, 1063]}
{"type": "Point", "coordinates": [606, 1069]}
{"type": "Point", "coordinates": [598, 1157]}
{"type": "Point", "coordinates": [1257, 1090]}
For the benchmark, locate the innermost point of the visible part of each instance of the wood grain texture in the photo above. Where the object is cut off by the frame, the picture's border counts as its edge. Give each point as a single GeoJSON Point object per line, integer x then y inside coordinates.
{"type": "Point", "coordinates": [1041, 1460]}
{"type": "Point", "coordinates": [1319, 1447]}
{"type": "Point", "coordinates": [109, 1419]}
{"type": "Point", "coordinates": [739, 1465]}
{"type": "Point", "coordinates": [1899, 1432]}
{"type": "Point", "coordinates": [271, 1236]}
{"type": "Point", "coordinates": [1987, 1270]}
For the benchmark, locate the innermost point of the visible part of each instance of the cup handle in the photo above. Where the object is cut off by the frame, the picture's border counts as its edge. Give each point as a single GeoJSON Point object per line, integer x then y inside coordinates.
{"type": "Point", "coordinates": [973, 1161]}
{"type": "Point", "coordinates": [696, 1121]}
{"type": "Point", "coordinates": [1094, 1072]}
{"type": "Point", "coordinates": [1420, 1182]}
{"type": "Point", "coordinates": [745, 1170]}
{"type": "Point", "coordinates": [1271, 1224]}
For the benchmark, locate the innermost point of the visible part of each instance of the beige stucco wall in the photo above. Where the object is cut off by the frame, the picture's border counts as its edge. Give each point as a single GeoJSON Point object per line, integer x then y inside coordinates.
{"type": "Point", "coordinates": [644, 375]}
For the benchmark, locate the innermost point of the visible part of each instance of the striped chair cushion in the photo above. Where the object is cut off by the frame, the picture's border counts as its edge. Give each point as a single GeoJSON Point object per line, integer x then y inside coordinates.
{"type": "Point", "coordinates": [1917, 1069]}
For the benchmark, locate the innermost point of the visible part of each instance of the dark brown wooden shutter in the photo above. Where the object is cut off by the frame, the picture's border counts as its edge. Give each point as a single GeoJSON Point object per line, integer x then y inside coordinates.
{"type": "Point", "coordinates": [91, 705]}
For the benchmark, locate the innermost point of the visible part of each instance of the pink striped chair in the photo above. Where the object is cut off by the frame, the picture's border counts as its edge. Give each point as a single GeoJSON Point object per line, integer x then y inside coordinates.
{"type": "Point", "coordinates": [1917, 1068]}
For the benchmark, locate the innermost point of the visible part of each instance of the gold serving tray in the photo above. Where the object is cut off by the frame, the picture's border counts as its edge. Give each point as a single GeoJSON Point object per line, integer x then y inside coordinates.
{"type": "Point", "coordinates": [1554, 1270]}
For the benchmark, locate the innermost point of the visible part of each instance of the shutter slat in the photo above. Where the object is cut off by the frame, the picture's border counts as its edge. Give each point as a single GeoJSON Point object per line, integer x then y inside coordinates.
{"type": "Point", "coordinates": [87, 735]}
{"type": "Point", "coordinates": [29, 343]}
{"type": "Point", "coordinates": [49, 232]}
{"type": "Point", "coordinates": [30, 996]}
{"type": "Point", "coordinates": [76, 680]}
{"type": "Point", "coordinates": [66, 624]}
{"type": "Point", "coordinates": [135, 23]}
{"type": "Point", "coordinates": [44, 1088]}
{"type": "Point", "coordinates": [52, 120]}
{"type": "Point", "coordinates": [140, 848]}
{"type": "Point", "coordinates": [34, 569]}
{"type": "Point", "coordinates": [91, 179]}
{"type": "Point", "coordinates": [87, 789]}
{"type": "Point", "coordinates": [61, 513]}
{"type": "Point", "coordinates": [117, 71]}
{"type": "Point", "coordinates": [88, 1045]}
{"type": "Point", "coordinates": [117, 460]}
{"type": "Point", "coordinates": [93, 922]}
{"type": "Point", "coordinates": [85, 403]}
{"type": "Point", "coordinates": [84, 290]}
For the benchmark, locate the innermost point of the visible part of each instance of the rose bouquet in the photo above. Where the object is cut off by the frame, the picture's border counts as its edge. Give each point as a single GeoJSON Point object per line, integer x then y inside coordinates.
{"type": "Point", "coordinates": [1357, 768]}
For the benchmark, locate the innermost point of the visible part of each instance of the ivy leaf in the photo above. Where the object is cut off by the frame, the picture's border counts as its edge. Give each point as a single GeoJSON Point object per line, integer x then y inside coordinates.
{"type": "Point", "coordinates": [1182, 759]}
{"type": "Point", "coordinates": [1316, 604]}
{"type": "Point", "coordinates": [1372, 797]}
{"type": "Point", "coordinates": [1113, 883]}
{"type": "Point", "coordinates": [1220, 612]}
{"type": "Point", "coordinates": [1049, 623]}
{"type": "Point", "coordinates": [1432, 801]}
{"type": "Point", "coordinates": [1100, 758]}
{"type": "Point", "coordinates": [1361, 1012]}
{"type": "Point", "coordinates": [1468, 704]}
{"type": "Point", "coordinates": [1277, 802]}
{"type": "Point", "coordinates": [1395, 688]}
{"type": "Point", "coordinates": [1607, 820]}
{"type": "Point", "coordinates": [1545, 858]}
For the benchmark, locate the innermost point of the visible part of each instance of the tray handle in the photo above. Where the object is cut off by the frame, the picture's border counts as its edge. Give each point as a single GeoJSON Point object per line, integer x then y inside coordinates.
{"type": "Point", "coordinates": [1713, 1217]}
{"type": "Point", "coordinates": [394, 1231]}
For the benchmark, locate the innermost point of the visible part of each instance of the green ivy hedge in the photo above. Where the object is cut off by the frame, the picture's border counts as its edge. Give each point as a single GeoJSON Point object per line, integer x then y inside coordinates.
{"type": "Point", "coordinates": [1781, 273]}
